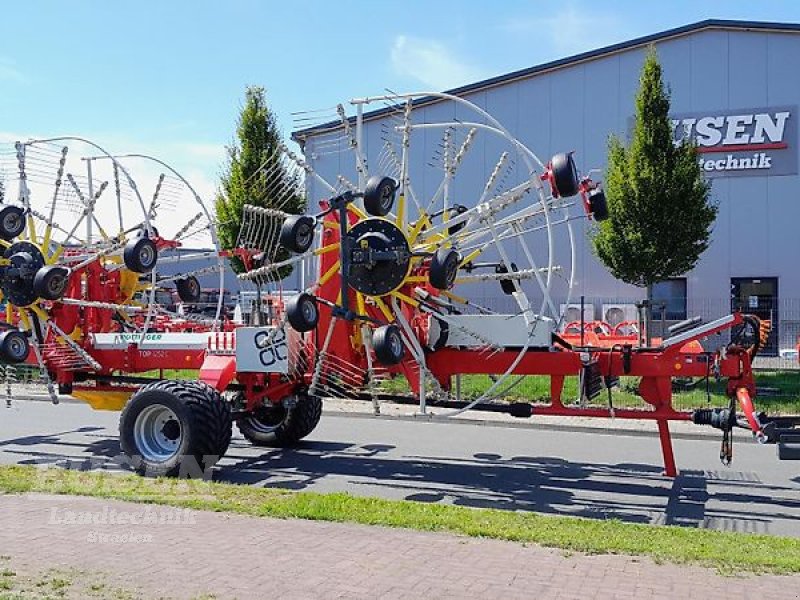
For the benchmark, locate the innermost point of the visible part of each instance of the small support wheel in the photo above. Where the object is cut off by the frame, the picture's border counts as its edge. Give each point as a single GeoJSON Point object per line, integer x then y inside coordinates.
{"type": "Point", "coordinates": [175, 428]}
{"type": "Point", "coordinates": [188, 289]}
{"type": "Point", "coordinates": [302, 312]}
{"type": "Point", "coordinates": [598, 205]}
{"type": "Point", "coordinates": [379, 195]}
{"type": "Point", "coordinates": [297, 233]}
{"type": "Point", "coordinates": [142, 232]}
{"type": "Point", "coordinates": [565, 175]}
{"type": "Point", "coordinates": [12, 222]}
{"type": "Point", "coordinates": [14, 346]}
{"type": "Point", "coordinates": [507, 285]}
{"type": "Point", "coordinates": [444, 268]}
{"type": "Point", "coordinates": [282, 424]}
{"type": "Point", "coordinates": [388, 344]}
{"type": "Point", "coordinates": [140, 255]}
{"type": "Point", "coordinates": [457, 210]}
{"type": "Point", "coordinates": [50, 282]}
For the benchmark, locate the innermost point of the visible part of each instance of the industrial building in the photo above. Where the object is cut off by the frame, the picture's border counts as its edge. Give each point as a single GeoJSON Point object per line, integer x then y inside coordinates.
{"type": "Point", "coordinates": [735, 89]}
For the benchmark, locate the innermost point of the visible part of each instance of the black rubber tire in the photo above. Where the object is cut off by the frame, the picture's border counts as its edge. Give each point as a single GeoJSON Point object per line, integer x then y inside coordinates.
{"type": "Point", "coordinates": [297, 233]}
{"type": "Point", "coordinates": [598, 205]}
{"type": "Point", "coordinates": [507, 285]}
{"type": "Point", "coordinates": [14, 347]}
{"type": "Point", "coordinates": [458, 209]}
{"type": "Point", "coordinates": [12, 222]}
{"type": "Point", "coordinates": [284, 427]}
{"type": "Point", "coordinates": [50, 282]}
{"type": "Point", "coordinates": [143, 232]}
{"type": "Point", "coordinates": [388, 344]}
{"type": "Point", "coordinates": [379, 195]}
{"type": "Point", "coordinates": [565, 175]}
{"type": "Point", "coordinates": [444, 268]}
{"type": "Point", "coordinates": [189, 290]}
{"type": "Point", "coordinates": [205, 421]}
{"type": "Point", "coordinates": [302, 312]}
{"type": "Point", "coordinates": [140, 255]}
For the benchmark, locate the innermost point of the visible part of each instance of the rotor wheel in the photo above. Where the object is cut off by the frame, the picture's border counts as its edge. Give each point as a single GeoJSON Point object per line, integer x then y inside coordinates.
{"type": "Point", "coordinates": [598, 205]}
{"type": "Point", "coordinates": [189, 290]}
{"type": "Point", "coordinates": [297, 233]}
{"type": "Point", "coordinates": [12, 222]}
{"type": "Point", "coordinates": [14, 347]}
{"type": "Point", "coordinates": [565, 174]}
{"type": "Point", "coordinates": [379, 195]}
{"type": "Point", "coordinates": [279, 426]}
{"type": "Point", "coordinates": [388, 344]}
{"type": "Point", "coordinates": [444, 268]}
{"type": "Point", "coordinates": [140, 255]}
{"type": "Point", "coordinates": [51, 282]}
{"type": "Point", "coordinates": [302, 312]}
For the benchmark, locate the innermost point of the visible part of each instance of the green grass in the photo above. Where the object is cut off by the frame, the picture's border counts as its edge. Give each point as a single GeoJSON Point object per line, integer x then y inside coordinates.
{"type": "Point", "coordinates": [783, 399]}
{"type": "Point", "coordinates": [727, 552]}
{"type": "Point", "coordinates": [171, 374]}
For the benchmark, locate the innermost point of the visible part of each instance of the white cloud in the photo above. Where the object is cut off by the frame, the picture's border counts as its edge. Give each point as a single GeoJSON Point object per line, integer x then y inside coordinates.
{"type": "Point", "coordinates": [572, 30]}
{"type": "Point", "coordinates": [211, 152]}
{"type": "Point", "coordinates": [432, 63]}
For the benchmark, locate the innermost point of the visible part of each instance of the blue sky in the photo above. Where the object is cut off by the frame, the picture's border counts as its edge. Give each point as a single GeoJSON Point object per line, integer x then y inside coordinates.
{"type": "Point", "coordinates": [168, 76]}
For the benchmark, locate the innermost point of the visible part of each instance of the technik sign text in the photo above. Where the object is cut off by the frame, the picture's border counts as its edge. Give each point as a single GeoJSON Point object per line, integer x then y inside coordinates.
{"type": "Point", "coordinates": [758, 141]}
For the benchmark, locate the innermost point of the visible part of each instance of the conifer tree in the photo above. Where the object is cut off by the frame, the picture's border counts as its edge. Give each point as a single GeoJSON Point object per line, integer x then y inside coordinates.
{"type": "Point", "coordinates": [660, 216]}
{"type": "Point", "coordinates": [249, 176]}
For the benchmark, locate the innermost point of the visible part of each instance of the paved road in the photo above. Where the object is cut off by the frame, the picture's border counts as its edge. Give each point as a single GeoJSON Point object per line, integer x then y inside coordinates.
{"type": "Point", "coordinates": [587, 474]}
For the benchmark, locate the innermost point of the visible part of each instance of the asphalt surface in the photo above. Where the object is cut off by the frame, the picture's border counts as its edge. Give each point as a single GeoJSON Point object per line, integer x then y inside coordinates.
{"type": "Point", "coordinates": [598, 475]}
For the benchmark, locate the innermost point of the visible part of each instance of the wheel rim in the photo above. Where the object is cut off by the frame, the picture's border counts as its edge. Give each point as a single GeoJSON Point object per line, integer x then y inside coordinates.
{"type": "Point", "coordinates": [146, 255]}
{"type": "Point", "coordinates": [56, 284]}
{"type": "Point", "coordinates": [157, 433]}
{"type": "Point", "coordinates": [303, 236]}
{"type": "Point", "coordinates": [267, 420]}
{"type": "Point", "coordinates": [17, 347]}
{"type": "Point", "coordinates": [396, 345]}
{"type": "Point", "coordinates": [11, 222]}
{"type": "Point", "coordinates": [309, 312]}
{"type": "Point", "coordinates": [386, 197]}
{"type": "Point", "coordinates": [452, 268]}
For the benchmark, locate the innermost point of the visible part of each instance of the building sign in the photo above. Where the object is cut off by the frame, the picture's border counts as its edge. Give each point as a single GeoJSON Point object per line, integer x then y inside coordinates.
{"type": "Point", "coordinates": [742, 142]}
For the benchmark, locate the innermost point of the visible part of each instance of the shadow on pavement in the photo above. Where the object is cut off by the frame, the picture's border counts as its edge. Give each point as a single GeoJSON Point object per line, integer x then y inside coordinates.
{"type": "Point", "coordinates": [630, 492]}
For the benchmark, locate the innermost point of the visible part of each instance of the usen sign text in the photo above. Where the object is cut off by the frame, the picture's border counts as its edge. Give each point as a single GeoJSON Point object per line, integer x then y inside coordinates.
{"type": "Point", "coordinates": [741, 142]}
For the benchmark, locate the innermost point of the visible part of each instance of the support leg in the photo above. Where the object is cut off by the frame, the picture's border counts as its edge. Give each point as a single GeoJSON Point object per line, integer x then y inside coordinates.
{"type": "Point", "coordinates": [666, 448]}
{"type": "Point", "coordinates": [556, 389]}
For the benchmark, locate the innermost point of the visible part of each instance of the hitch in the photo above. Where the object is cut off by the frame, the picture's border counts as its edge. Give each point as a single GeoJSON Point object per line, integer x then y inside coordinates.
{"type": "Point", "coordinates": [789, 445]}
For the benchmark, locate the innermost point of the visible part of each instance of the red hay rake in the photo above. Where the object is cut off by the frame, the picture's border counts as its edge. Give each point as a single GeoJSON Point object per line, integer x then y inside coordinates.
{"type": "Point", "coordinates": [400, 258]}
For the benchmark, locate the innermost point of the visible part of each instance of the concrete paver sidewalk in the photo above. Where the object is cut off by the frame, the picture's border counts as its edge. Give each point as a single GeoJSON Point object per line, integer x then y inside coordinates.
{"type": "Point", "coordinates": [233, 556]}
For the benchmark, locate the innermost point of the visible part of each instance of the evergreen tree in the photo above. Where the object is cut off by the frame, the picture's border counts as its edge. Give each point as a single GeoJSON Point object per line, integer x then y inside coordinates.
{"type": "Point", "coordinates": [660, 215]}
{"type": "Point", "coordinates": [249, 176]}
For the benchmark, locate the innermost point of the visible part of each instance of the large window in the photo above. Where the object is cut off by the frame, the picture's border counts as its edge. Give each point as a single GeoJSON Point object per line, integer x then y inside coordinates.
{"type": "Point", "coordinates": [671, 294]}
